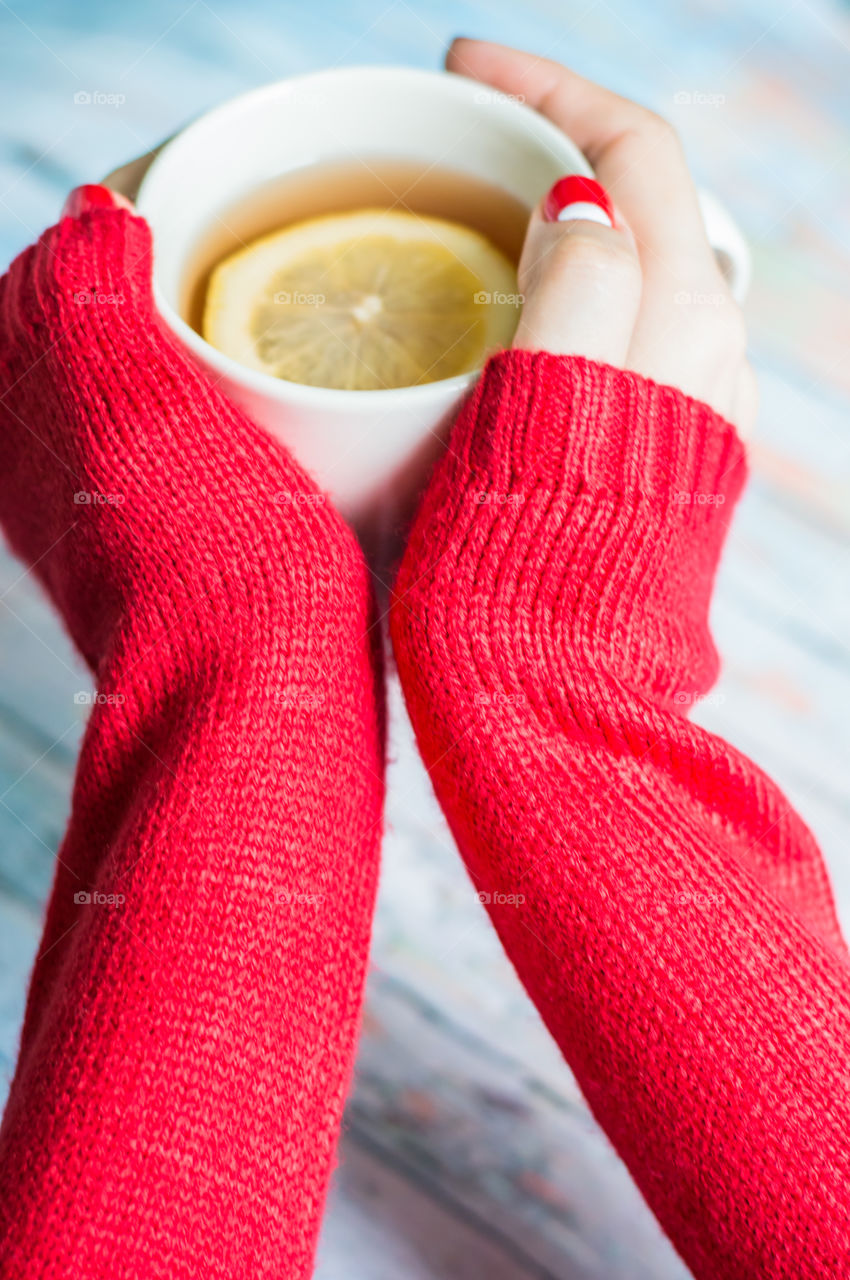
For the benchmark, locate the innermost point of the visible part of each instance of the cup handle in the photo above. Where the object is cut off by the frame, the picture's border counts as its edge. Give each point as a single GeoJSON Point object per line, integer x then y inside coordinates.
{"type": "Point", "coordinates": [727, 241]}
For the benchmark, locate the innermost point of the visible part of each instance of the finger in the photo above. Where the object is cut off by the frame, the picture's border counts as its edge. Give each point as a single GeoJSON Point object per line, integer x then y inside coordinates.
{"type": "Point", "coordinates": [697, 347]}
{"type": "Point", "coordinates": [634, 153]}
{"type": "Point", "coordinates": [100, 225]}
{"type": "Point", "coordinates": [127, 178]}
{"type": "Point", "coordinates": [90, 197]}
{"type": "Point", "coordinates": [579, 275]}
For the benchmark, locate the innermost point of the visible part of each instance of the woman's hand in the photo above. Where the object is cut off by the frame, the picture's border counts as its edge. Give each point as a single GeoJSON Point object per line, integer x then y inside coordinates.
{"type": "Point", "coordinates": [668, 912]}
{"type": "Point", "coordinates": [647, 294]}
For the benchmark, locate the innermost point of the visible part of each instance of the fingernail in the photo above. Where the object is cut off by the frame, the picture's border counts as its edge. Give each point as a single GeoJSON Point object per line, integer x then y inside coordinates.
{"type": "Point", "coordinates": [92, 196]}
{"type": "Point", "coordinates": [576, 197]}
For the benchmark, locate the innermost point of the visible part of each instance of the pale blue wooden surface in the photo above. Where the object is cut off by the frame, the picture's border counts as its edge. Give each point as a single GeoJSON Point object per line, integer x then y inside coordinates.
{"type": "Point", "coordinates": [468, 1150]}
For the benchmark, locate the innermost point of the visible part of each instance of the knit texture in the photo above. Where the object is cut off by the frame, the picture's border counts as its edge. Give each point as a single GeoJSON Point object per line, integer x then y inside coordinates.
{"type": "Point", "coordinates": [193, 1011]}
{"type": "Point", "coordinates": [668, 912]}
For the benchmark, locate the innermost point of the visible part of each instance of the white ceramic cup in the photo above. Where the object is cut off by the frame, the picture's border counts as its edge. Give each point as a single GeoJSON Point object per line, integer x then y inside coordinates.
{"type": "Point", "coordinates": [369, 449]}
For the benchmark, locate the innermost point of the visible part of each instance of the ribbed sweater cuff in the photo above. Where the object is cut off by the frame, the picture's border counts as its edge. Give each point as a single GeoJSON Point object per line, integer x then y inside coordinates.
{"type": "Point", "coordinates": [576, 424]}
{"type": "Point", "coordinates": [602, 497]}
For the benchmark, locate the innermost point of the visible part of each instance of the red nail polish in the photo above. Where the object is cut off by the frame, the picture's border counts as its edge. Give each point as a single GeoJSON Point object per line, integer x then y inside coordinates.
{"type": "Point", "coordinates": [92, 196]}
{"type": "Point", "coordinates": [577, 191]}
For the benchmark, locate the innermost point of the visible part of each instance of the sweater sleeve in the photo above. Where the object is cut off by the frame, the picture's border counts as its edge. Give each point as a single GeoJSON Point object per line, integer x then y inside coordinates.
{"type": "Point", "coordinates": [192, 1016]}
{"type": "Point", "coordinates": [668, 912]}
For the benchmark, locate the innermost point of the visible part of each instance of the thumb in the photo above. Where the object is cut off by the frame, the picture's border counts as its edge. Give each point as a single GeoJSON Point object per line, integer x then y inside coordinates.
{"type": "Point", "coordinates": [98, 258]}
{"type": "Point", "coordinates": [579, 276]}
{"type": "Point", "coordinates": [86, 279]}
{"type": "Point", "coordinates": [90, 273]}
{"type": "Point", "coordinates": [92, 196]}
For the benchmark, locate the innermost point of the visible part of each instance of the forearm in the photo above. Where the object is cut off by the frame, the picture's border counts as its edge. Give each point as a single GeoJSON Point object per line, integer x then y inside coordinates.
{"type": "Point", "coordinates": [191, 1021]}
{"type": "Point", "coordinates": [206, 1111]}
{"type": "Point", "coordinates": [667, 911]}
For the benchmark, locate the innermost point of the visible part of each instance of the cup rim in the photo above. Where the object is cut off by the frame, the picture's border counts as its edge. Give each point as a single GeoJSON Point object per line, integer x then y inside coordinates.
{"type": "Point", "coordinates": [303, 393]}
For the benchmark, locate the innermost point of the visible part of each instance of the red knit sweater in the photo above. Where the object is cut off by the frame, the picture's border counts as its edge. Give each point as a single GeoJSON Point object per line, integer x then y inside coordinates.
{"type": "Point", "coordinates": [677, 931]}
{"type": "Point", "coordinates": [186, 1051]}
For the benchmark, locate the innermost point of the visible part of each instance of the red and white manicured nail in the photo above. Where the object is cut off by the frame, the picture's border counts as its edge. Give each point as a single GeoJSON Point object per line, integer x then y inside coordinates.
{"type": "Point", "coordinates": [576, 198]}
{"type": "Point", "coordinates": [93, 196]}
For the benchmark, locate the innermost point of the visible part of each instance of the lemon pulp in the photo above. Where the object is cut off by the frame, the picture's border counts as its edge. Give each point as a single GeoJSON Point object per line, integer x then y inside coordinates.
{"type": "Point", "coordinates": [364, 300]}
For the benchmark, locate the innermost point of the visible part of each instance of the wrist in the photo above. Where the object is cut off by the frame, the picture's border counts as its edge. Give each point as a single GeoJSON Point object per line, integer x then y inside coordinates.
{"type": "Point", "coordinates": [575, 424]}
{"type": "Point", "coordinates": [577, 517]}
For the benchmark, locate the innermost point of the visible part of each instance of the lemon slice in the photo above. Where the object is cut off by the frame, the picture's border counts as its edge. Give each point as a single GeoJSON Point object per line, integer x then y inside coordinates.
{"type": "Point", "coordinates": [364, 300]}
